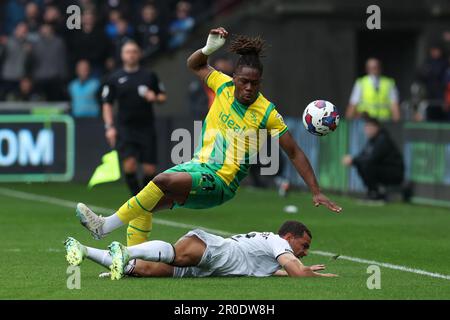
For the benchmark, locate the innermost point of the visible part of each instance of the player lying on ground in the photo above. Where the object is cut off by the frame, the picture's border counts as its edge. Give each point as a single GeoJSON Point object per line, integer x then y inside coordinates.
{"type": "Point", "coordinates": [213, 176]}
{"type": "Point", "coordinates": [201, 254]}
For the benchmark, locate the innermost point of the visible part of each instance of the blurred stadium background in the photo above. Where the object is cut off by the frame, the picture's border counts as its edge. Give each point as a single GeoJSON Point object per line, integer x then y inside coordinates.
{"type": "Point", "coordinates": [322, 50]}
{"type": "Point", "coordinates": [317, 51]}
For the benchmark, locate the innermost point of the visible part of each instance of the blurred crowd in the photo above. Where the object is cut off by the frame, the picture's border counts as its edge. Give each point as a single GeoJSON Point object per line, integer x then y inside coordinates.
{"type": "Point", "coordinates": [431, 93]}
{"type": "Point", "coordinates": [41, 59]}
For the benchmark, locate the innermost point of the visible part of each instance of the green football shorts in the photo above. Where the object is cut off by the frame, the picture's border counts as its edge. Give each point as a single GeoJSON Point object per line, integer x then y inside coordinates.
{"type": "Point", "coordinates": [207, 191]}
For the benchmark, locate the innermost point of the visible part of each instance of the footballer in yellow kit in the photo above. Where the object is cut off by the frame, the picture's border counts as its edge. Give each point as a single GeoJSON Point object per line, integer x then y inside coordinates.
{"type": "Point", "coordinates": [229, 138]}
{"type": "Point", "coordinates": [238, 114]}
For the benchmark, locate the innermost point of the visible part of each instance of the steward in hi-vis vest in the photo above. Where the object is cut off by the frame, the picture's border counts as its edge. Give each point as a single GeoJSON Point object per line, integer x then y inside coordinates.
{"type": "Point", "coordinates": [374, 95]}
{"type": "Point", "coordinates": [376, 101]}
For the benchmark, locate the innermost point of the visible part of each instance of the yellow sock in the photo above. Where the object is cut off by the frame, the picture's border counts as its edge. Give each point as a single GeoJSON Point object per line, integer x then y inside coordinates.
{"type": "Point", "coordinates": [142, 203]}
{"type": "Point", "coordinates": [139, 229]}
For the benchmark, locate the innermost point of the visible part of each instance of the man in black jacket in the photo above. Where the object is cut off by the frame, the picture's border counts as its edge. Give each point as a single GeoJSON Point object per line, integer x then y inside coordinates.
{"type": "Point", "coordinates": [380, 163]}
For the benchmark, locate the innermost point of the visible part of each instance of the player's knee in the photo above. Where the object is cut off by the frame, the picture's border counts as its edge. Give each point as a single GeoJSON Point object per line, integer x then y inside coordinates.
{"type": "Point", "coordinates": [163, 181]}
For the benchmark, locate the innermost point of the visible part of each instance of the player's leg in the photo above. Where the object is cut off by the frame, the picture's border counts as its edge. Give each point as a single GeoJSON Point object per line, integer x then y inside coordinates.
{"type": "Point", "coordinates": [128, 149]}
{"type": "Point", "coordinates": [139, 229]}
{"type": "Point", "coordinates": [165, 188]}
{"type": "Point", "coordinates": [152, 269]}
{"type": "Point", "coordinates": [148, 153]}
{"type": "Point", "coordinates": [173, 187]}
{"type": "Point", "coordinates": [158, 194]}
{"type": "Point", "coordinates": [130, 167]}
{"type": "Point", "coordinates": [77, 252]}
{"type": "Point", "coordinates": [188, 251]}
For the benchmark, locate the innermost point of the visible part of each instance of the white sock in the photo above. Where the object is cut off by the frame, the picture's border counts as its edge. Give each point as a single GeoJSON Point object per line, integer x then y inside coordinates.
{"type": "Point", "coordinates": [155, 250]}
{"type": "Point", "coordinates": [101, 257]}
{"type": "Point", "coordinates": [111, 223]}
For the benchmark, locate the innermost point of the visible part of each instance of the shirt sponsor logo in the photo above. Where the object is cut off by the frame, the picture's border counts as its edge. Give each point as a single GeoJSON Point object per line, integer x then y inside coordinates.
{"type": "Point", "coordinates": [230, 123]}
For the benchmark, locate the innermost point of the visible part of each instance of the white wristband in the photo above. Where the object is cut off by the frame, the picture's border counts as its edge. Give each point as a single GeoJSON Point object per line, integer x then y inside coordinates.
{"type": "Point", "coordinates": [214, 42]}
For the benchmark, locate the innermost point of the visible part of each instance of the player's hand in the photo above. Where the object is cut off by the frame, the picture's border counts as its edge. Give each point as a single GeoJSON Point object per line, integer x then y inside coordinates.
{"type": "Point", "coordinates": [321, 199]}
{"type": "Point", "coordinates": [150, 96]}
{"type": "Point", "coordinates": [328, 275]}
{"type": "Point", "coordinates": [317, 267]}
{"type": "Point", "coordinates": [111, 136]}
{"type": "Point", "coordinates": [216, 39]}
{"type": "Point", "coordinates": [220, 31]}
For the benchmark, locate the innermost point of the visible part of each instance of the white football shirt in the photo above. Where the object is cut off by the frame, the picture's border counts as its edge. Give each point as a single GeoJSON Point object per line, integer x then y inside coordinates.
{"type": "Point", "coordinates": [252, 254]}
{"type": "Point", "coordinates": [257, 253]}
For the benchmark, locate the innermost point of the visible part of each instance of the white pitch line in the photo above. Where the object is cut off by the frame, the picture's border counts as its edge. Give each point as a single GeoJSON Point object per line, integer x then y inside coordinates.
{"type": "Point", "coordinates": [71, 204]}
{"type": "Point", "coordinates": [384, 264]}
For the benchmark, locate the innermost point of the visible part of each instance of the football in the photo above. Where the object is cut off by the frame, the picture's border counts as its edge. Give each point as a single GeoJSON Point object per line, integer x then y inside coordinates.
{"type": "Point", "coordinates": [320, 117]}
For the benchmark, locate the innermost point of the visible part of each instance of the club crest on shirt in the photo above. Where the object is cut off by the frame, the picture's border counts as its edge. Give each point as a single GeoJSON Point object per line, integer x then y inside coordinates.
{"type": "Point", "coordinates": [253, 117]}
{"type": "Point", "coordinates": [122, 79]}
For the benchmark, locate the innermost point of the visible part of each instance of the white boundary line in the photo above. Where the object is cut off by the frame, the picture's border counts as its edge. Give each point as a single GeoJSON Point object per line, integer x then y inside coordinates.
{"type": "Point", "coordinates": [71, 204]}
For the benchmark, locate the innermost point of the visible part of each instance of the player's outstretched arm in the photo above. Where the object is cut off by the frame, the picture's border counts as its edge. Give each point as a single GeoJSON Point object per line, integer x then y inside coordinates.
{"type": "Point", "coordinates": [303, 167]}
{"type": "Point", "coordinates": [294, 268]}
{"type": "Point", "coordinates": [198, 61]}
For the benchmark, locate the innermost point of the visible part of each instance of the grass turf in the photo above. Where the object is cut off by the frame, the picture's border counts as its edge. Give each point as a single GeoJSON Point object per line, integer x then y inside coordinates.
{"type": "Point", "coordinates": [33, 264]}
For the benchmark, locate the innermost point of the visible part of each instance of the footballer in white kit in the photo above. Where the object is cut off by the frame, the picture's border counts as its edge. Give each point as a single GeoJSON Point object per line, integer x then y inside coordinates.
{"type": "Point", "coordinates": [252, 254]}
{"type": "Point", "coordinates": [202, 254]}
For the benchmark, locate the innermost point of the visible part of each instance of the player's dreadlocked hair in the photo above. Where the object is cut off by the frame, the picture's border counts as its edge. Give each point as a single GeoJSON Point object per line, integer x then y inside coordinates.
{"type": "Point", "coordinates": [250, 50]}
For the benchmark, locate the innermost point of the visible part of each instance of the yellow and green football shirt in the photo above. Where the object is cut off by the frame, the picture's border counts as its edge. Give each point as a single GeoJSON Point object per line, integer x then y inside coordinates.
{"type": "Point", "coordinates": [231, 132]}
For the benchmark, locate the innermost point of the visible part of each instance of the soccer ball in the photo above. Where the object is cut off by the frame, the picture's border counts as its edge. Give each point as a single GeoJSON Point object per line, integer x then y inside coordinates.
{"type": "Point", "coordinates": [320, 117]}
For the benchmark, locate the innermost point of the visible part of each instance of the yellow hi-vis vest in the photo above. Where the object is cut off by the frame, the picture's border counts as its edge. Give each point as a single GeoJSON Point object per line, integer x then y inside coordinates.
{"type": "Point", "coordinates": [376, 103]}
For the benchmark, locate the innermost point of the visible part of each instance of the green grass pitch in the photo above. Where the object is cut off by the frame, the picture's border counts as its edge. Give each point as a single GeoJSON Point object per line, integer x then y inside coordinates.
{"type": "Point", "coordinates": [33, 264]}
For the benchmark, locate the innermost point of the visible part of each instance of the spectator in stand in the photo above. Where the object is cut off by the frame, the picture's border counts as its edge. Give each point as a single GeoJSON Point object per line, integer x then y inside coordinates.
{"type": "Point", "coordinates": [83, 92]}
{"type": "Point", "coordinates": [124, 34]}
{"type": "Point", "coordinates": [15, 59]}
{"type": "Point", "coordinates": [111, 27]}
{"type": "Point", "coordinates": [447, 92]}
{"type": "Point", "coordinates": [432, 74]}
{"type": "Point", "coordinates": [33, 20]}
{"type": "Point", "coordinates": [150, 31]}
{"type": "Point", "coordinates": [122, 6]}
{"type": "Point", "coordinates": [49, 64]}
{"type": "Point", "coordinates": [53, 17]}
{"type": "Point", "coordinates": [25, 92]}
{"type": "Point", "coordinates": [180, 28]}
{"type": "Point", "coordinates": [14, 14]}
{"type": "Point", "coordinates": [446, 41]}
{"type": "Point", "coordinates": [89, 43]}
